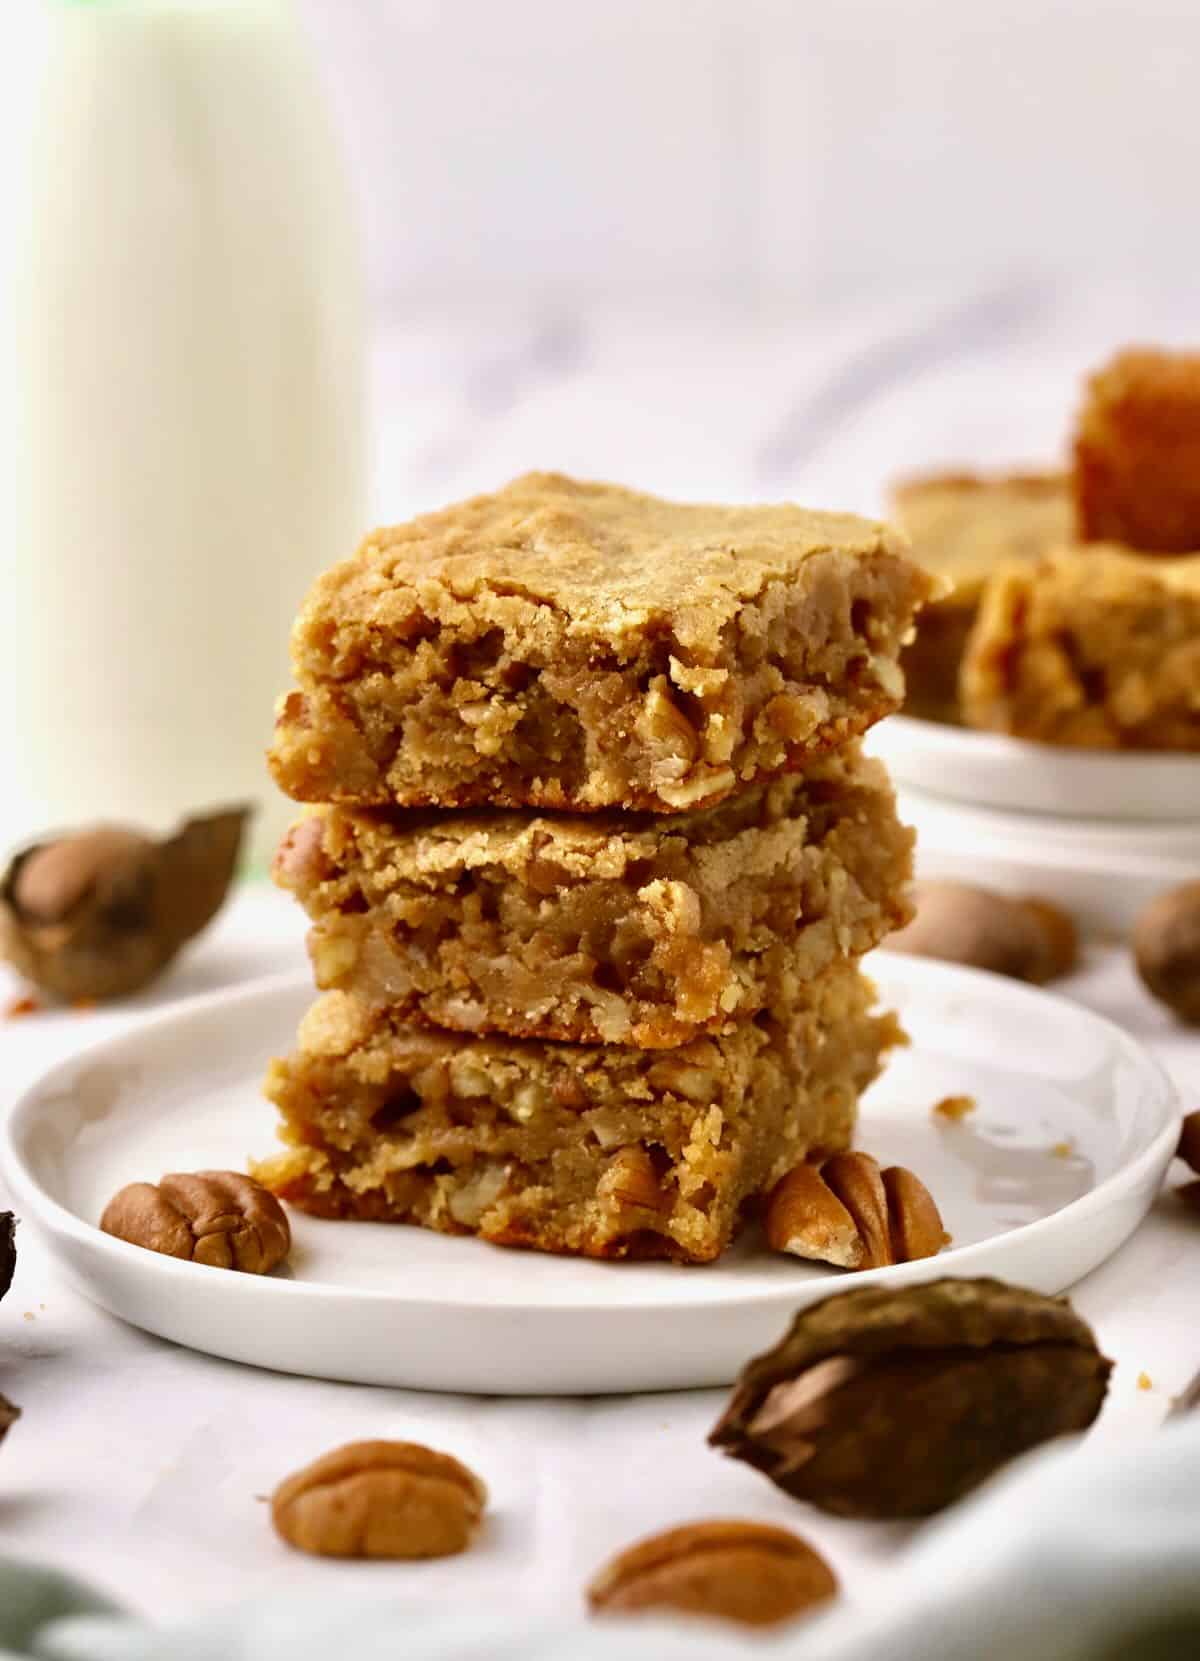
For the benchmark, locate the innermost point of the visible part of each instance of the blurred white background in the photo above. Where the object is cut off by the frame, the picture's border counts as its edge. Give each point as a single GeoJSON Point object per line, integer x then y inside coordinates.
{"type": "Point", "coordinates": [723, 249]}
{"type": "Point", "coordinates": [763, 150]}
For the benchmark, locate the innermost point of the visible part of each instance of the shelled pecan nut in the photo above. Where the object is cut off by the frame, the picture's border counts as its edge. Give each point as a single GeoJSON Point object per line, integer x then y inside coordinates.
{"type": "Point", "coordinates": [380, 1499]}
{"type": "Point", "coordinates": [736, 1571]}
{"type": "Point", "coordinates": [220, 1218]}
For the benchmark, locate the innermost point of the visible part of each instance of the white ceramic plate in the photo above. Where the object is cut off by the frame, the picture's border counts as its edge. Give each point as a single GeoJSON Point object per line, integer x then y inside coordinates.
{"type": "Point", "coordinates": [991, 770]}
{"type": "Point", "coordinates": [1103, 871]}
{"type": "Point", "coordinates": [1074, 1129]}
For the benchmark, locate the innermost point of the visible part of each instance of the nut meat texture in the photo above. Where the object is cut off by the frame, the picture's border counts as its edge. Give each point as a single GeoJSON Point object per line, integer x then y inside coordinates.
{"type": "Point", "coordinates": [882, 1403]}
{"type": "Point", "coordinates": [220, 1218]}
{"type": "Point", "coordinates": [751, 1573]}
{"type": "Point", "coordinates": [380, 1499]}
{"type": "Point", "coordinates": [850, 1213]}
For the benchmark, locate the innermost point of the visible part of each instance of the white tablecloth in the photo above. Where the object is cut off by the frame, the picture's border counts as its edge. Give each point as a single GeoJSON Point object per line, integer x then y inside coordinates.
{"type": "Point", "coordinates": [141, 1466]}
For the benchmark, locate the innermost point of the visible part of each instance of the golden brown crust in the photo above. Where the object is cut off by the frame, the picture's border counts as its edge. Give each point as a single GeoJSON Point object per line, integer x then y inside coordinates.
{"type": "Point", "coordinates": [570, 645]}
{"type": "Point", "coordinates": [1137, 452]}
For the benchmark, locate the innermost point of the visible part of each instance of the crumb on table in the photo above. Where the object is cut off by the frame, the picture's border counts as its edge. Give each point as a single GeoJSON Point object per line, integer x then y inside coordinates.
{"type": "Point", "coordinates": [1063, 1150]}
{"type": "Point", "coordinates": [954, 1107]}
{"type": "Point", "coordinates": [1145, 1382]}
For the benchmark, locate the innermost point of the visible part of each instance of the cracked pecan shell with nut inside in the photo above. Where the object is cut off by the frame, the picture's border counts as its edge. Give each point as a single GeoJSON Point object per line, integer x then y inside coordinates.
{"type": "Point", "coordinates": [850, 1213]}
{"type": "Point", "coordinates": [98, 913]}
{"type": "Point", "coordinates": [220, 1218]}
{"type": "Point", "coordinates": [751, 1573]}
{"type": "Point", "coordinates": [380, 1499]}
{"type": "Point", "coordinates": [882, 1403]}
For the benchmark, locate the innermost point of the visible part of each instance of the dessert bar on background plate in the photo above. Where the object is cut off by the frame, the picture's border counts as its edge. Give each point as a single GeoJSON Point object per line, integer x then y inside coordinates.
{"type": "Point", "coordinates": [604, 928]}
{"type": "Point", "coordinates": [1137, 452]}
{"type": "Point", "coordinates": [1093, 647]}
{"type": "Point", "coordinates": [1074, 1127]}
{"type": "Point", "coordinates": [964, 526]}
{"type": "Point", "coordinates": [569, 645]}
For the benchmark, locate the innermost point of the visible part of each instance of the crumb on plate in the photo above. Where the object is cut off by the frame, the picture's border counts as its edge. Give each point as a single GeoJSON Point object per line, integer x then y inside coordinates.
{"type": "Point", "coordinates": [954, 1107]}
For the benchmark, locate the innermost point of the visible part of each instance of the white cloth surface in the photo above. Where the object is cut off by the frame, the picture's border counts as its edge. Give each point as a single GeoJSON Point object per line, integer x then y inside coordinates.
{"type": "Point", "coordinates": [140, 1467]}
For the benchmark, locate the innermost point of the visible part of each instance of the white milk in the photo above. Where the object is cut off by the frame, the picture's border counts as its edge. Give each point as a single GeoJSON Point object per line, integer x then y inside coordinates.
{"type": "Point", "coordinates": [188, 405]}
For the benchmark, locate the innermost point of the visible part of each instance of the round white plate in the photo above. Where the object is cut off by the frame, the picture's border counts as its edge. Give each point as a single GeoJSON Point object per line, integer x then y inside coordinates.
{"type": "Point", "coordinates": [1074, 1128]}
{"type": "Point", "coordinates": [1103, 871]}
{"type": "Point", "coordinates": [991, 770]}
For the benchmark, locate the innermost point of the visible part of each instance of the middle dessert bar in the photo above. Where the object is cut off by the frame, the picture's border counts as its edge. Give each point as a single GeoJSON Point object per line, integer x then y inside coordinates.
{"type": "Point", "coordinates": [615, 929]}
{"type": "Point", "coordinates": [602, 1150]}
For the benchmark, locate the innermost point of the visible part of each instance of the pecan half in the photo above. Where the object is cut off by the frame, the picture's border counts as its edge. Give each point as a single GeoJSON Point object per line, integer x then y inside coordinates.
{"type": "Point", "coordinates": [380, 1499]}
{"type": "Point", "coordinates": [737, 1571]}
{"type": "Point", "coordinates": [850, 1213]}
{"type": "Point", "coordinates": [882, 1403]}
{"type": "Point", "coordinates": [221, 1218]}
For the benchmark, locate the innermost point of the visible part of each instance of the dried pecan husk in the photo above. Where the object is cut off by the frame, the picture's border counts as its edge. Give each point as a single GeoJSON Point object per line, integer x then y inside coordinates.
{"type": "Point", "coordinates": [8, 1250]}
{"type": "Point", "coordinates": [895, 1403]}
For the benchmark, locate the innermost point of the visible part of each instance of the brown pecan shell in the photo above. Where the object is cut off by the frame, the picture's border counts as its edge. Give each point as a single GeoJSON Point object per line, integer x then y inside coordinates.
{"type": "Point", "coordinates": [883, 1403]}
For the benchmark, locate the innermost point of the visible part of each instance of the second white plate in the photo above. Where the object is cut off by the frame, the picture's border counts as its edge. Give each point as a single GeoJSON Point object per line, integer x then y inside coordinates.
{"type": "Point", "coordinates": [991, 770]}
{"type": "Point", "coordinates": [1074, 1128]}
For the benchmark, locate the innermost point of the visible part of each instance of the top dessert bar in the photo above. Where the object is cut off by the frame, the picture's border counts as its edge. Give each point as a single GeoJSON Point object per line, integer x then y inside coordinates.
{"type": "Point", "coordinates": [964, 527]}
{"type": "Point", "coordinates": [570, 645]}
{"type": "Point", "coordinates": [1137, 453]}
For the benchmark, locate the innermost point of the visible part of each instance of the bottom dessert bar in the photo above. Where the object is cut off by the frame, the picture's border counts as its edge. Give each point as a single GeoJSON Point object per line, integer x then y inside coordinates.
{"type": "Point", "coordinates": [592, 1149]}
{"type": "Point", "coordinates": [1094, 647]}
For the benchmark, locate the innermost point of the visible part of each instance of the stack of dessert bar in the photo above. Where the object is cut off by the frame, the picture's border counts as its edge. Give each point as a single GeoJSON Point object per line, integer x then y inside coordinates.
{"type": "Point", "coordinates": [593, 861]}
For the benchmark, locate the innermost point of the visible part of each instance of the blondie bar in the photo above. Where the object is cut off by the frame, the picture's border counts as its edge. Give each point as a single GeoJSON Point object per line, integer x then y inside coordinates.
{"type": "Point", "coordinates": [605, 928]}
{"type": "Point", "coordinates": [1137, 452]}
{"type": "Point", "coordinates": [1095, 646]}
{"type": "Point", "coordinates": [600, 1150]}
{"type": "Point", "coordinates": [963, 527]}
{"type": "Point", "coordinates": [570, 645]}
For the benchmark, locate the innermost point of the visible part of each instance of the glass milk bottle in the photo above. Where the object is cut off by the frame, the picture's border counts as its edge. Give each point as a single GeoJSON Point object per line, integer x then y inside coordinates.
{"type": "Point", "coordinates": [188, 406]}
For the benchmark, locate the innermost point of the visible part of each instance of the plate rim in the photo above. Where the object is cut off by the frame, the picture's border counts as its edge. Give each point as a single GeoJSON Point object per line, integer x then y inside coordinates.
{"type": "Point", "coordinates": [56, 1220]}
{"type": "Point", "coordinates": [1006, 754]}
